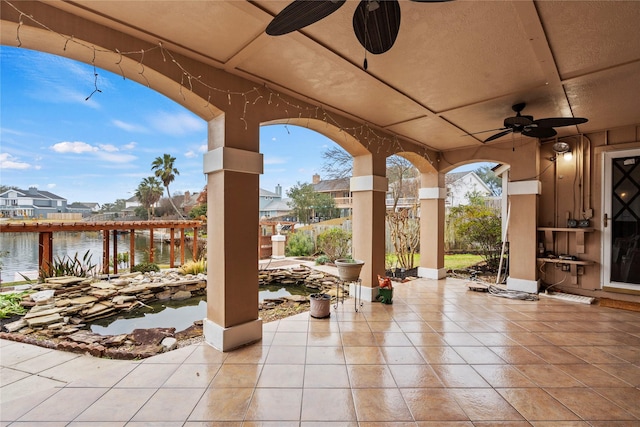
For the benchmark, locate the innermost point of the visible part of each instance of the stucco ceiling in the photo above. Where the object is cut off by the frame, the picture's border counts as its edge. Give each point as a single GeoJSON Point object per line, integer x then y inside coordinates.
{"type": "Point", "coordinates": [456, 67]}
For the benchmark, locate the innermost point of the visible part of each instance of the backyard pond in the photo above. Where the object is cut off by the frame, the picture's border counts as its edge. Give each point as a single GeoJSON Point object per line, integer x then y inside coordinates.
{"type": "Point", "coordinates": [178, 314]}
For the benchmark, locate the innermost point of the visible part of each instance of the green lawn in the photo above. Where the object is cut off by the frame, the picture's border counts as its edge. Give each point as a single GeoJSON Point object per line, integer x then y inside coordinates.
{"type": "Point", "coordinates": [451, 262]}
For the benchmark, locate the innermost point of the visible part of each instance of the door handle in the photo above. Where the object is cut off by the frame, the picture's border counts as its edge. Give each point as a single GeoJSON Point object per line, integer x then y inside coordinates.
{"type": "Point", "coordinates": [605, 220]}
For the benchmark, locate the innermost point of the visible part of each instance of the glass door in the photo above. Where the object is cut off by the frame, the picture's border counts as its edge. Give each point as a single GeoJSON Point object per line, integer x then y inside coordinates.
{"type": "Point", "coordinates": [621, 223]}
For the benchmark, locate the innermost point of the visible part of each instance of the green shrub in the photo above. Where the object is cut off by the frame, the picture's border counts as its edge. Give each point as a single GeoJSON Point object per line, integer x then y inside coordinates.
{"type": "Point", "coordinates": [299, 244]}
{"type": "Point", "coordinates": [334, 243]}
{"type": "Point", "coordinates": [67, 266]}
{"type": "Point", "coordinates": [322, 259]}
{"type": "Point", "coordinates": [145, 267]}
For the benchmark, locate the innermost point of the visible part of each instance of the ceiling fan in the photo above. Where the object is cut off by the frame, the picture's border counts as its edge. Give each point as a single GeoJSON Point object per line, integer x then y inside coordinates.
{"type": "Point", "coordinates": [541, 128]}
{"type": "Point", "coordinates": [375, 22]}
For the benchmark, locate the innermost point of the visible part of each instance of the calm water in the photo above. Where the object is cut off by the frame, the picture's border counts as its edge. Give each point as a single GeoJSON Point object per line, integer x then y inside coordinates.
{"type": "Point", "coordinates": [175, 314]}
{"type": "Point", "coordinates": [22, 250]}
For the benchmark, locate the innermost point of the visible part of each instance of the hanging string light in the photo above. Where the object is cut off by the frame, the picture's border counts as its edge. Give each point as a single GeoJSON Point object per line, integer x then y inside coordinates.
{"type": "Point", "coordinates": [372, 139]}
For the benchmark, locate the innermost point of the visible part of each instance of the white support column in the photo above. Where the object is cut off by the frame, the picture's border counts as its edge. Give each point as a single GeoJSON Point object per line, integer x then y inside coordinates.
{"type": "Point", "coordinates": [523, 223]}
{"type": "Point", "coordinates": [369, 193]}
{"type": "Point", "coordinates": [432, 232]}
{"type": "Point", "coordinates": [232, 197]}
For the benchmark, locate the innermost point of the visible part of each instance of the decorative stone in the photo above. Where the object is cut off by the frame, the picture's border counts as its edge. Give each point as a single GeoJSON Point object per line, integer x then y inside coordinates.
{"type": "Point", "coordinates": [180, 295]}
{"type": "Point", "coordinates": [169, 343]}
{"type": "Point", "coordinates": [152, 336]}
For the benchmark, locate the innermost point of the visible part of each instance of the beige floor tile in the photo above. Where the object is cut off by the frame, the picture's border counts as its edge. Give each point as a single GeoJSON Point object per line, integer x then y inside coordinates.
{"type": "Point", "coordinates": [204, 353]}
{"type": "Point", "coordinates": [18, 353]}
{"type": "Point", "coordinates": [222, 404]}
{"type": "Point", "coordinates": [280, 354]}
{"type": "Point", "coordinates": [415, 376]}
{"type": "Point", "coordinates": [555, 355]}
{"type": "Point", "coordinates": [290, 338]}
{"type": "Point", "coordinates": [380, 404]}
{"type": "Point", "coordinates": [548, 376]}
{"type": "Point", "coordinates": [358, 339]}
{"type": "Point", "coordinates": [27, 386]}
{"type": "Point", "coordinates": [255, 354]}
{"type": "Point", "coordinates": [459, 376]}
{"type": "Point", "coordinates": [425, 339]}
{"type": "Point", "coordinates": [147, 376]}
{"type": "Point", "coordinates": [117, 405]}
{"type": "Point", "coordinates": [478, 355]}
{"type": "Point", "coordinates": [440, 355]}
{"type": "Point", "coordinates": [627, 372]}
{"type": "Point", "coordinates": [389, 325]}
{"type": "Point", "coordinates": [503, 376]}
{"type": "Point", "coordinates": [326, 376]}
{"type": "Point", "coordinates": [192, 376]}
{"type": "Point", "coordinates": [232, 376]}
{"type": "Point", "coordinates": [402, 356]}
{"type": "Point", "coordinates": [65, 405]}
{"type": "Point", "coordinates": [438, 405]}
{"type": "Point", "coordinates": [271, 404]}
{"type": "Point", "coordinates": [370, 376]}
{"type": "Point", "coordinates": [536, 404]}
{"type": "Point", "coordinates": [321, 338]}
{"type": "Point", "coordinates": [592, 354]}
{"type": "Point", "coordinates": [293, 326]}
{"type": "Point", "coordinates": [589, 405]}
{"type": "Point", "coordinates": [460, 339]}
{"type": "Point", "coordinates": [44, 361]}
{"type": "Point", "coordinates": [493, 339]}
{"type": "Point", "coordinates": [10, 375]}
{"type": "Point", "coordinates": [627, 398]}
{"type": "Point", "coordinates": [281, 376]}
{"type": "Point", "coordinates": [363, 356]}
{"type": "Point", "coordinates": [444, 424]}
{"type": "Point", "coordinates": [169, 404]}
{"type": "Point", "coordinates": [485, 405]}
{"type": "Point", "coordinates": [392, 339]}
{"type": "Point", "coordinates": [328, 405]}
{"type": "Point", "coordinates": [325, 355]}
{"type": "Point", "coordinates": [16, 408]}
{"type": "Point", "coordinates": [414, 326]}
{"type": "Point", "coordinates": [359, 327]}
{"type": "Point", "coordinates": [517, 355]}
{"type": "Point", "coordinates": [87, 371]}
{"type": "Point", "coordinates": [592, 376]}
{"type": "Point", "coordinates": [175, 356]}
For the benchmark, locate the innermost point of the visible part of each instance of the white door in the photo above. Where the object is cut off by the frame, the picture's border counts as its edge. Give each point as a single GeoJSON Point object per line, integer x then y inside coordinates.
{"type": "Point", "coordinates": [621, 220]}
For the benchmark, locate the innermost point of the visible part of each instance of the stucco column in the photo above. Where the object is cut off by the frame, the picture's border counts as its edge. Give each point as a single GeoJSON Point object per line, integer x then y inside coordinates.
{"type": "Point", "coordinates": [369, 193]}
{"type": "Point", "coordinates": [232, 167]}
{"type": "Point", "coordinates": [522, 232]}
{"type": "Point", "coordinates": [432, 215]}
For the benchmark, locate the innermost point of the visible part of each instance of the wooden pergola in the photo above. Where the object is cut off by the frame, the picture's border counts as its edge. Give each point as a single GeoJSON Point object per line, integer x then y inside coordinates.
{"type": "Point", "coordinates": [45, 232]}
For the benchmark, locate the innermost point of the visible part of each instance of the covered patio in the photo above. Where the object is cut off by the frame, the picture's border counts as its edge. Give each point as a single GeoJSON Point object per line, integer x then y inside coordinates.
{"type": "Point", "coordinates": [440, 355]}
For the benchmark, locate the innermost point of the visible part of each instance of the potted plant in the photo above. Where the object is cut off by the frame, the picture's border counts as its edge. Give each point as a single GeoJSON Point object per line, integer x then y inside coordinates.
{"type": "Point", "coordinates": [320, 305]}
{"type": "Point", "coordinates": [349, 269]}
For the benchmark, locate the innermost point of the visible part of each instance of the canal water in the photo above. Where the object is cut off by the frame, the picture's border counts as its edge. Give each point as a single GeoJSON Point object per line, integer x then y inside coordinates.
{"type": "Point", "coordinates": [20, 250]}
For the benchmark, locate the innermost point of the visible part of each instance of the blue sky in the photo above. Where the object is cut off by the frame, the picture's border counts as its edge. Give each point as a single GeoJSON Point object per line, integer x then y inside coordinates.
{"type": "Point", "coordinates": [99, 149]}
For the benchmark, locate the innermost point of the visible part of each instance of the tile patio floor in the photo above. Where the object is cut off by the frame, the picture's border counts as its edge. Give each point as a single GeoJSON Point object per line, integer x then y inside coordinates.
{"type": "Point", "coordinates": [441, 355]}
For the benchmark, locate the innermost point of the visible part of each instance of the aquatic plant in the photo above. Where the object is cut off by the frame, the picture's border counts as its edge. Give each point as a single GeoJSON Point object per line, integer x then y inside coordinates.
{"type": "Point", "coordinates": [145, 267]}
{"type": "Point", "coordinates": [67, 266]}
{"type": "Point", "coordinates": [10, 304]}
{"type": "Point", "coordinates": [194, 267]}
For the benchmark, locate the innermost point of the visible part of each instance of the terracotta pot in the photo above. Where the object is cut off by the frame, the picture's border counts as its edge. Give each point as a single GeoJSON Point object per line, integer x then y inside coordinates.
{"type": "Point", "coordinates": [349, 269]}
{"type": "Point", "coordinates": [320, 305]}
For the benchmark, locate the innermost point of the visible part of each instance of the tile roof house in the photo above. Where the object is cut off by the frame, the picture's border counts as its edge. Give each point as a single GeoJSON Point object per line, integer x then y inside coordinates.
{"type": "Point", "coordinates": [272, 204]}
{"type": "Point", "coordinates": [31, 203]}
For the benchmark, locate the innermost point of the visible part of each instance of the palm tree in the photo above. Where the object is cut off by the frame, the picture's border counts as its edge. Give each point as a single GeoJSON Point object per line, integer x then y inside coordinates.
{"type": "Point", "coordinates": [148, 193]}
{"type": "Point", "coordinates": [167, 173]}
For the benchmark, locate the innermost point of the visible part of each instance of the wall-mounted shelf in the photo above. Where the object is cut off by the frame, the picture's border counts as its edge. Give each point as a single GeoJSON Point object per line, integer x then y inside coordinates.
{"type": "Point", "coordinates": [579, 232]}
{"type": "Point", "coordinates": [575, 267]}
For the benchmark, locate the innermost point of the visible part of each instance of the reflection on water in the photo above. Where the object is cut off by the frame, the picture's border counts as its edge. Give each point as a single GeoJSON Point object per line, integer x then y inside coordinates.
{"type": "Point", "coordinates": [22, 250]}
{"type": "Point", "coordinates": [176, 314]}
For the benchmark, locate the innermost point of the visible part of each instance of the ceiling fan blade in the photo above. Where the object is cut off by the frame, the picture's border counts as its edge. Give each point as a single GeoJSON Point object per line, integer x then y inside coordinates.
{"type": "Point", "coordinates": [556, 122]}
{"type": "Point", "coordinates": [539, 132]}
{"type": "Point", "coordinates": [301, 13]}
{"type": "Point", "coordinates": [498, 135]}
{"type": "Point", "coordinates": [483, 131]}
{"type": "Point", "coordinates": [376, 24]}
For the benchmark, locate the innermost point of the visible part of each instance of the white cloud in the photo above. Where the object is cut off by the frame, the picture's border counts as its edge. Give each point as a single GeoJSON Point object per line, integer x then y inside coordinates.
{"type": "Point", "coordinates": [129, 127]}
{"type": "Point", "coordinates": [273, 160]}
{"type": "Point", "coordinates": [177, 124]}
{"type": "Point", "coordinates": [130, 146]}
{"type": "Point", "coordinates": [108, 147]}
{"type": "Point", "coordinates": [274, 139]}
{"type": "Point", "coordinates": [51, 186]}
{"type": "Point", "coordinates": [105, 152]}
{"type": "Point", "coordinates": [7, 161]}
{"type": "Point", "coordinates": [190, 154]}
{"type": "Point", "coordinates": [203, 148]}
{"type": "Point", "coordinates": [76, 147]}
